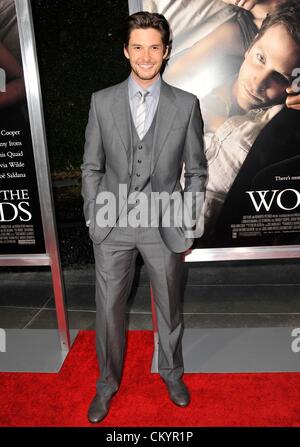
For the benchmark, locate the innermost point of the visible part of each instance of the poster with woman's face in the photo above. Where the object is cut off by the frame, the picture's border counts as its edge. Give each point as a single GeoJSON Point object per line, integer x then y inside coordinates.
{"type": "Point", "coordinates": [240, 62]}
{"type": "Point", "coordinates": [20, 222]}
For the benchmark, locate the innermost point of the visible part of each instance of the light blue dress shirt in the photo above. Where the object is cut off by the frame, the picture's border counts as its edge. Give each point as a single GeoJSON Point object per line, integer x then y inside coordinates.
{"type": "Point", "coordinates": [151, 99]}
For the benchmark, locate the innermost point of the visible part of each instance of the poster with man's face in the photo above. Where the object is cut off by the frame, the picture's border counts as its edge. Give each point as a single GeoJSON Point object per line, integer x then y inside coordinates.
{"type": "Point", "coordinates": [239, 65]}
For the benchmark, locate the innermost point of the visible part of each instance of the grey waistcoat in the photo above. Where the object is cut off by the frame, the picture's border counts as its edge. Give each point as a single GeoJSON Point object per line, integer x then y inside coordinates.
{"type": "Point", "coordinates": [142, 153]}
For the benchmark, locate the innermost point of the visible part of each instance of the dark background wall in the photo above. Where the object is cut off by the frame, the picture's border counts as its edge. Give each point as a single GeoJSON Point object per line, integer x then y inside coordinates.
{"type": "Point", "coordinates": [79, 51]}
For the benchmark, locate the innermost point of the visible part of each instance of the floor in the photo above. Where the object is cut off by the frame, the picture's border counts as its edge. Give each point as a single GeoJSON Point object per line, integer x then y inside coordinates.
{"type": "Point", "coordinates": [221, 294]}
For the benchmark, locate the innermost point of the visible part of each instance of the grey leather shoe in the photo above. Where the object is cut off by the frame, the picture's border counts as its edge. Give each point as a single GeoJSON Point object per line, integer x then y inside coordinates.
{"type": "Point", "coordinates": [178, 392]}
{"type": "Point", "coordinates": [99, 408]}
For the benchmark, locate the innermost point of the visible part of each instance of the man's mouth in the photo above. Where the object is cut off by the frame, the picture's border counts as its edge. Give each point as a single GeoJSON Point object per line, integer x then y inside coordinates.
{"type": "Point", "coordinates": [146, 66]}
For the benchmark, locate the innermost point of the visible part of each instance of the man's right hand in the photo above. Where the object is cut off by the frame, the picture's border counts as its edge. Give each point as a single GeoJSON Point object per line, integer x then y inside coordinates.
{"type": "Point", "coordinates": [246, 4]}
{"type": "Point", "coordinates": [293, 99]}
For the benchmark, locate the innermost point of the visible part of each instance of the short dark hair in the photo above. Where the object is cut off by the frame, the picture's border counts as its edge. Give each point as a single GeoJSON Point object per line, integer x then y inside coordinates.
{"type": "Point", "coordinates": [287, 15]}
{"type": "Point", "coordinates": [144, 20]}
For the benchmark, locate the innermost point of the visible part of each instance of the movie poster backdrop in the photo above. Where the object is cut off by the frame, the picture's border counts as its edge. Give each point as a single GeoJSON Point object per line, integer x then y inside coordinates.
{"type": "Point", "coordinates": [21, 229]}
{"type": "Point", "coordinates": [253, 193]}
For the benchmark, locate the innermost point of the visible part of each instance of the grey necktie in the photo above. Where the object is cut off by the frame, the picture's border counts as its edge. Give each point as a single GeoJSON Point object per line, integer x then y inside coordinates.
{"type": "Point", "coordinates": [140, 117]}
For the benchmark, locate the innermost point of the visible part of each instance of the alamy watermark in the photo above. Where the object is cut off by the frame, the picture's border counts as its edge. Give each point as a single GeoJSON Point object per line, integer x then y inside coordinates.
{"type": "Point", "coordinates": [296, 82]}
{"type": "Point", "coordinates": [295, 345]}
{"type": "Point", "coordinates": [2, 81]}
{"type": "Point", "coordinates": [2, 340]}
{"type": "Point", "coordinates": [157, 209]}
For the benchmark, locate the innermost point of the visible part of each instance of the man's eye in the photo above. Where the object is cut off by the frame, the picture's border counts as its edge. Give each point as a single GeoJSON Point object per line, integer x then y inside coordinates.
{"type": "Point", "coordinates": [260, 57]}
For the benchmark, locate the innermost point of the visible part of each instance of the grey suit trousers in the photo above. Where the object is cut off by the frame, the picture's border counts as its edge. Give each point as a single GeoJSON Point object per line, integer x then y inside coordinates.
{"type": "Point", "coordinates": [115, 266]}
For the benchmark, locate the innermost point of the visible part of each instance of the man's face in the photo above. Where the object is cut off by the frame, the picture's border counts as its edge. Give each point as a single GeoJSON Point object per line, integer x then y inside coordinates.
{"type": "Point", "coordinates": [266, 71]}
{"type": "Point", "coordinates": [146, 54]}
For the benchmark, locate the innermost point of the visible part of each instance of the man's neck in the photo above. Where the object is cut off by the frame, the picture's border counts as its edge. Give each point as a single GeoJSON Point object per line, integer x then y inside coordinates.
{"type": "Point", "coordinates": [144, 83]}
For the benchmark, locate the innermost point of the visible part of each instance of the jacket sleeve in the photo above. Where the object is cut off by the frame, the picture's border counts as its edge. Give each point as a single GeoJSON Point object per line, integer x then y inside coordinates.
{"type": "Point", "coordinates": [195, 164]}
{"type": "Point", "coordinates": [93, 166]}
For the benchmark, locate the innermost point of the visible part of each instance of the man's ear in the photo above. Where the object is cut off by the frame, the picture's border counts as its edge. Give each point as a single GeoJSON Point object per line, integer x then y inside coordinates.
{"type": "Point", "coordinates": [125, 51]}
{"type": "Point", "coordinates": [166, 52]}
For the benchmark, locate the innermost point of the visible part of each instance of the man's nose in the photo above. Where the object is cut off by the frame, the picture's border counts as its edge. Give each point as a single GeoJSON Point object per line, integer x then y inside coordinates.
{"type": "Point", "coordinates": [146, 55]}
{"type": "Point", "coordinates": [260, 81]}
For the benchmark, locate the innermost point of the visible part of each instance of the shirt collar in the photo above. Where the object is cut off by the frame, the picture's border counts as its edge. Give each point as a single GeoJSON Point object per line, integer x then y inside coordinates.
{"type": "Point", "coordinates": [134, 87]}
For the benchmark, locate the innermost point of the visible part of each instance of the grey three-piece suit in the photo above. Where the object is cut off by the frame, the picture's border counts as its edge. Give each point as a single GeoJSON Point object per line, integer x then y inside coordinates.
{"type": "Point", "coordinates": [115, 155]}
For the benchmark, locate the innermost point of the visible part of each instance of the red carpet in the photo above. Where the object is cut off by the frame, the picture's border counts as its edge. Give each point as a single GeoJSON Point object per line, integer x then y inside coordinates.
{"type": "Point", "coordinates": [217, 399]}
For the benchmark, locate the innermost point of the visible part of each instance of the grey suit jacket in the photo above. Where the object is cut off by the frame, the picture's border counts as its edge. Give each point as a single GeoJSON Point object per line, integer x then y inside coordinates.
{"type": "Point", "coordinates": [108, 157]}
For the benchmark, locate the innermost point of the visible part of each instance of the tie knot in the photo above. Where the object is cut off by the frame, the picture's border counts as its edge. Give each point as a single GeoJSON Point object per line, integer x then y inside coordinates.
{"type": "Point", "coordinates": [142, 95]}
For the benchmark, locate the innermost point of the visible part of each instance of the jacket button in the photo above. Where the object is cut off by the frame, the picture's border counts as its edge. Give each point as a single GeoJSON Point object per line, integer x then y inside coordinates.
{"type": "Point", "coordinates": [140, 147]}
{"type": "Point", "coordinates": [138, 175]}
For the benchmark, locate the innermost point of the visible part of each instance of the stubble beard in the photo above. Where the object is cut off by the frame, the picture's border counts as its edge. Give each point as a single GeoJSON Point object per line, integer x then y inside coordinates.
{"type": "Point", "coordinates": [145, 77]}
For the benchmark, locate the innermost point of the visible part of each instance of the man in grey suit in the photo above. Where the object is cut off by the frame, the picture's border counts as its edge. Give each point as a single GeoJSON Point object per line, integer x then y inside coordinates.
{"type": "Point", "coordinates": [139, 134]}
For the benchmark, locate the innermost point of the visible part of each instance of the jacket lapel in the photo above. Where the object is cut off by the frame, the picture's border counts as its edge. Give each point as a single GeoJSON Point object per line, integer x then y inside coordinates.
{"type": "Point", "coordinates": [166, 112]}
{"type": "Point", "coordinates": [121, 113]}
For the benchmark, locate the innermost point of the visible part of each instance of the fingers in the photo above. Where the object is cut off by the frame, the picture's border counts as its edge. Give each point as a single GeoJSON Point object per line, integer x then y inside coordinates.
{"type": "Point", "coordinates": [294, 107]}
{"type": "Point", "coordinates": [292, 102]}
{"type": "Point", "coordinates": [234, 2]}
{"type": "Point", "coordinates": [246, 4]}
{"type": "Point", "coordinates": [290, 90]}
